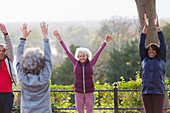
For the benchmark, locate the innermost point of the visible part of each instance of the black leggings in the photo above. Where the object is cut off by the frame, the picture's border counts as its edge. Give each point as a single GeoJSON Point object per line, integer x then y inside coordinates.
{"type": "Point", "coordinates": [6, 102]}
{"type": "Point", "coordinates": [153, 103]}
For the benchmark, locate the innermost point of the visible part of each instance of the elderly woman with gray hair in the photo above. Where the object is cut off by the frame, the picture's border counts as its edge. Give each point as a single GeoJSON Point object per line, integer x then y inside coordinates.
{"type": "Point", "coordinates": [34, 71]}
{"type": "Point", "coordinates": [83, 73]}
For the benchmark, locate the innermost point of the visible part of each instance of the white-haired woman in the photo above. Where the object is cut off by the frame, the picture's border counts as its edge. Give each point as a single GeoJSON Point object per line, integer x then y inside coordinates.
{"type": "Point", "coordinates": [83, 74]}
{"type": "Point", "coordinates": [34, 71]}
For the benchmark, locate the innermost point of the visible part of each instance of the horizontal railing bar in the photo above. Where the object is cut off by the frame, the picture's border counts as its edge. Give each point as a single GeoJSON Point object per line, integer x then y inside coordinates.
{"type": "Point", "coordinates": [95, 90]}
{"type": "Point", "coordinates": [99, 108]}
{"type": "Point", "coordinates": [115, 90]}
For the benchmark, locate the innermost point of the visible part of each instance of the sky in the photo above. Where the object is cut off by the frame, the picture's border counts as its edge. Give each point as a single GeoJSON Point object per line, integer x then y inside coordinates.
{"type": "Point", "coordinates": [72, 10]}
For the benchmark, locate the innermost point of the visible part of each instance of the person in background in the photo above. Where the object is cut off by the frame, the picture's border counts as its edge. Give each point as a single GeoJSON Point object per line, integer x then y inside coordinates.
{"type": "Point", "coordinates": [153, 59]}
{"type": "Point", "coordinates": [7, 73]}
{"type": "Point", "coordinates": [83, 73]}
{"type": "Point", "coordinates": [34, 69]}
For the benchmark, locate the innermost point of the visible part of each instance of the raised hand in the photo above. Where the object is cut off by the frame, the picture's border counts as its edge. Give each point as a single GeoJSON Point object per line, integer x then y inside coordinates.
{"type": "Point", "coordinates": [144, 31]}
{"type": "Point", "coordinates": [157, 24]}
{"type": "Point", "coordinates": [44, 29]}
{"type": "Point", "coordinates": [146, 20]}
{"type": "Point", "coordinates": [24, 31]}
{"type": "Point", "coordinates": [156, 21]}
{"type": "Point", "coordinates": [3, 28]}
{"type": "Point", "coordinates": [57, 35]}
{"type": "Point", "coordinates": [109, 37]}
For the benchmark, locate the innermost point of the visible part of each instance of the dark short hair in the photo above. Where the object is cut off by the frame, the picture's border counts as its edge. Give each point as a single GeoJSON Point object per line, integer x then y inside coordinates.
{"type": "Point", "coordinates": [155, 47]}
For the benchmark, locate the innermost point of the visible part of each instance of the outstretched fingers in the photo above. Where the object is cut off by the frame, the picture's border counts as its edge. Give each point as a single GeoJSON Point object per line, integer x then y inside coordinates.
{"type": "Point", "coordinates": [44, 29]}
{"type": "Point", "coordinates": [146, 20]}
{"type": "Point", "coordinates": [109, 37]}
{"type": "Point", "coordinates": [24, 30]}
{"type": "Point", "coordinates": [57, 35]}
{"type": "Point", "coordinates": [156, 21]}
{"type": "Point", "coordinates": [3, 28]}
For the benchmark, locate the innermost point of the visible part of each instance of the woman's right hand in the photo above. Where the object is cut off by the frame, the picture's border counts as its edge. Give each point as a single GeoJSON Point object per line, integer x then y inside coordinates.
{"type": "Point", "coordinates": [146, 20]}
{"type": "Point", "coordinates": [146, 24]}
{"type": "Point", "coordinates": [24, 31]}
{"type": "Point", "coordinates": [57, 35]}
{"type": "Point", "coordinates": [3, 28]}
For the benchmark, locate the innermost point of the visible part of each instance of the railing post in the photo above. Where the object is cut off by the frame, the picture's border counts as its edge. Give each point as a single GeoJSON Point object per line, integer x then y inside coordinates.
{"type": "Point", "coordinates": [115, 98]}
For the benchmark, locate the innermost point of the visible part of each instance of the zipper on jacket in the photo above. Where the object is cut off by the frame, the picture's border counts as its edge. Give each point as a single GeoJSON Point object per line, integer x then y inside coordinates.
{"type": "Point", "coordinates": [83, 80]}
{"type": "Point", "coordinates": [11, 75]}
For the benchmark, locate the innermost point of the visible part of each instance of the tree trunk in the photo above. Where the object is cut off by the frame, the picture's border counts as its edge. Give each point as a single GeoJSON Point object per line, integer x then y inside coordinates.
{"type": "Point", "coordinates": [148, 7]}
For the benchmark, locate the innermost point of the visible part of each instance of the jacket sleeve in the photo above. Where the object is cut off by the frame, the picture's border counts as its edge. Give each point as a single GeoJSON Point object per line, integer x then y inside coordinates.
{"type": "Point", "coordinates": [97, 54]}
{"type": "Point", "coordinates": [162, 45]}
{"type": "Point", "coordinates": [47, 71]}
{"type": "Point", "coordinates": [9, 48]}
{"type": "Point", "coordinates": [142, 48]}
{"type": "Point", "coordinates": [70, 55]}
{"type": "Point", "coordinates": [20, 51]}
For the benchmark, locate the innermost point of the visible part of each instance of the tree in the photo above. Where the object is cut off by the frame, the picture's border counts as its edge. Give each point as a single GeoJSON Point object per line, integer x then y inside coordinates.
{"type": "Point", "coordinates": [124, 63]}
{"type": "Point", "coordinates": [165, 30]}
{"type": "Point", "coordinates": [148, 7]}
{"type": "Point", "coordinates": [124, 30]}
{"type": "Point", "coordinates": [63, 74]}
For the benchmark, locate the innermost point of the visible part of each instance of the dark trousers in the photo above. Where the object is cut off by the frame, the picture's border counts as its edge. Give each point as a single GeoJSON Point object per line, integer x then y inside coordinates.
{"type": "Point", "coordinates": [153, 103]}
{"type": "Point", "coordinates": [6, 102]}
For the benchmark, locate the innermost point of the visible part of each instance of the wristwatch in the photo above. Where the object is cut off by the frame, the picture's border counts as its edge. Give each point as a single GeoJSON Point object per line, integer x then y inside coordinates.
{"type": "Point", "coordinates": [5, 34]}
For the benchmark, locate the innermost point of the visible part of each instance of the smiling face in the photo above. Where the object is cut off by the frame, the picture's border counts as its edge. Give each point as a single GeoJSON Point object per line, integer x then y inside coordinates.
{"type": "Point", "coordinates": [2, 53]}
{"type": "Point", "coordinates": [82, 57]}
{"type": "Point", "coordinates": [151, 53]}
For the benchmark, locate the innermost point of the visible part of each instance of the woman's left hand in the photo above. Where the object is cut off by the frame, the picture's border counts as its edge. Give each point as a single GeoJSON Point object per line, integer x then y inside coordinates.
{"type": "Point", "coordinates": [109, 37]}
{"type": "Point", "coordinates": [44, 29]}
{"type": "Point", "coordinates": [156, 21]}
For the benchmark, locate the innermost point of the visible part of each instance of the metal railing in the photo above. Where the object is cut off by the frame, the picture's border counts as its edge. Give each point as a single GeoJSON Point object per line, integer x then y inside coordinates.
{"type": "Point", "coordinates": [115, 108]}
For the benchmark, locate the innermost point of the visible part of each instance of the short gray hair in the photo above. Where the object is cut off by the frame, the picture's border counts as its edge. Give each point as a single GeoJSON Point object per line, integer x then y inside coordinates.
{"type": "Point", "coordinates": [32, 61]}
{"type": "Point", "coordinates": [86, 51]}
{"type": "Point", "coordinates": [3, 45]}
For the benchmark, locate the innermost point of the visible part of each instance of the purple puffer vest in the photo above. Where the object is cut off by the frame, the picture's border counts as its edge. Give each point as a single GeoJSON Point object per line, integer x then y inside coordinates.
{"type": "Point", "coordinates": [83, 82]}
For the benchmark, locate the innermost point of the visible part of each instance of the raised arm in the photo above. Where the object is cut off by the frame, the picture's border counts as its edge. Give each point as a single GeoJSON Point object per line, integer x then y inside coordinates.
{"type": "Point", "coordinates": [142, 48]}
{"type": "Point", "coordinates": [161, 40]}
{"type": "Point", "coordinates": [47, 71]}
{"type": "Point", "coordinates": [25, 34]}
{"type": "Point", "coordinates": [97, 54]}
{"type": "Point", "coordinates": [70, 55]}
{"type": "Point", "coordinates": [20, 48]}
{"type": "Point", "coordinates": [9, 47]}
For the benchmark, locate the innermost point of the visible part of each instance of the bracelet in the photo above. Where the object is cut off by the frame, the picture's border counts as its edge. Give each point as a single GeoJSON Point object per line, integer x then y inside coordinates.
{"type": "Point", "coordinates": [105, 41]}
{"type": "Point", "coordinates": [158, 27]}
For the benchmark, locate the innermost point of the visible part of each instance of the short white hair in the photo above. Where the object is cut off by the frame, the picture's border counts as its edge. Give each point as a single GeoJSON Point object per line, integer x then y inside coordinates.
{"type": "Point", "coordinates": [3, 45]}
{"type": "Point", "coordinates": [86, 51]}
